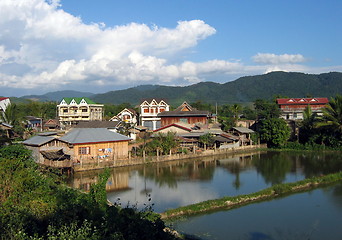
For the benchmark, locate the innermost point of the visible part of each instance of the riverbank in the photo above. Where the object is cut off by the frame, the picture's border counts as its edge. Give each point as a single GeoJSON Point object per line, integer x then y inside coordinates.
{"type": "Point", "coordinates": [132, 161]}
{"type": "Point", "coordinates": [242, 200]}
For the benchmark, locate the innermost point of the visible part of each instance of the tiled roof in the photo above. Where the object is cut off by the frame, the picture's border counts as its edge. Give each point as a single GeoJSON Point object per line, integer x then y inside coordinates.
{"type": "Point", "coordinates": [92, 135]}
{"type": "Point", "coordinates": [296, 101]}
{"type": "Point", "coordinates": [3, 98]}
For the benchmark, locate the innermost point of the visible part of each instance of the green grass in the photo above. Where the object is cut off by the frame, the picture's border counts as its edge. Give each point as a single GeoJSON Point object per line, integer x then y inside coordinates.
{"type": "Point", "coordinates": [265, 194]}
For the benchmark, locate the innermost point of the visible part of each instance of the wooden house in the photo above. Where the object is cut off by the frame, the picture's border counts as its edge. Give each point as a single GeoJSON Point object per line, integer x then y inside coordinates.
{"type": "Point", "coordinates": [184, 114]}
{"type": "Point", "coordinates": [77, 146]}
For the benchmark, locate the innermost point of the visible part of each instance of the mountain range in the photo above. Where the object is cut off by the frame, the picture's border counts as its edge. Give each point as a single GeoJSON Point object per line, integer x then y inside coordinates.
{"type": "Point", "coordinates": [242, 90]}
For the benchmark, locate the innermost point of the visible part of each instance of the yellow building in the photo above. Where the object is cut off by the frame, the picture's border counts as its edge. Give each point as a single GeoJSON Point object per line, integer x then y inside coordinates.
{"type": "Point", "coordinates": [73, 110]}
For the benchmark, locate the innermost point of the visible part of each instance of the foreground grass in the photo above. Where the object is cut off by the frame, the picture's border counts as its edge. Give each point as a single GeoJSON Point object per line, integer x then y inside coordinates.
{"type": "Point", "coordinates": [241, 200]}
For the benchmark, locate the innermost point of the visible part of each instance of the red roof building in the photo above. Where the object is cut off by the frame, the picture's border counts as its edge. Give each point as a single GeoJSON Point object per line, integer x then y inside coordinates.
{"type": "Point", "coordinates": [293, 108]}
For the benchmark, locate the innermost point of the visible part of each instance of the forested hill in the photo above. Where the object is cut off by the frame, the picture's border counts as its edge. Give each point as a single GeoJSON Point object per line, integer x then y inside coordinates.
{"type": "Point", "coordinates": [244, 89]}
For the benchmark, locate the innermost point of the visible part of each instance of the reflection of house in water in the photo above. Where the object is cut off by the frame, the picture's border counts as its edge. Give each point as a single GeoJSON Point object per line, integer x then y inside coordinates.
{"type": "Point", "coordinates": [116, 181]}
{"type": "Point", "coordinates": [170, 173]}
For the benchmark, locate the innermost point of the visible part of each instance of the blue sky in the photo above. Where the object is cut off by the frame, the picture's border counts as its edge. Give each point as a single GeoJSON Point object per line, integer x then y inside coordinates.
{"type": "Point", "coordinates": [105, 45]}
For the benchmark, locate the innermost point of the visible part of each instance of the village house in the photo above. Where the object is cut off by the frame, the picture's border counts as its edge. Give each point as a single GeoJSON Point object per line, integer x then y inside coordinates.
{"type": "Point", "coordinates": [4, 103]}
{"type": "Point", "coordinates": [78, 146]}
{"type": "Point", "coordinates": [127, 115]}
{"type": "Point", "coordinates": [184, 114]}
{"type": "Point", "coordinates": [149, 110]}
{"type": "Point", "coordinates": [293, 108]}
{"type": "Point", "coordinates": [74, 110]}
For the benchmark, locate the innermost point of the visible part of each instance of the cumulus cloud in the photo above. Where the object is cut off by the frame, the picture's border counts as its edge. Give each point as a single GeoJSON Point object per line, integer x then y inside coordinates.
{"type": "Point", "coordinates": [42, 46]}
{"type": "Point", "coordinates": [270, 58]}
{"type": "Point", "coordinates": [45, 44]}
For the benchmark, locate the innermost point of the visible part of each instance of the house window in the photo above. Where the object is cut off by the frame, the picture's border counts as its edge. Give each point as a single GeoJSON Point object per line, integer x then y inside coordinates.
{"type": "Point", "coordinates": [162, 110]}
{"type": "Point", "coordinates": [146, 110]}
{"type": "Point", "coordinates": [295, 115]}
{"type": "Point", "coordinates": [65, 110]}
{"type": "Point", "coordinates": [83, 150]}
{"type": "Point", "coordinates": [183, 120]}
{"type": "Point", "coordinates": [84, 110]}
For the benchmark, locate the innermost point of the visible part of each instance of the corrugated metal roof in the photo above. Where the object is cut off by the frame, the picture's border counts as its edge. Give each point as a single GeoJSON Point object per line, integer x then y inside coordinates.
{"type": "Point", "coordinates": [97, 124]}
{"type": "Point", "coordinates": [243, 130]}
{"type": "Point", "coordinates": [38, 140]}
{"type": "Point", "coordinates": [92, 135]}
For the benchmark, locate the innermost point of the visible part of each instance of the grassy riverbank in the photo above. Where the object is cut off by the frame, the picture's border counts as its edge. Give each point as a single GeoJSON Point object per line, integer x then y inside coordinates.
{"type": "Point", "coordinates": [266, 194]}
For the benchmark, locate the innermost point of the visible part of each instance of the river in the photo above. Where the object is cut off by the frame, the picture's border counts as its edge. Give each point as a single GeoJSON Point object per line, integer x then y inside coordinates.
{"type": "Point", "coordinates": [169, 185]}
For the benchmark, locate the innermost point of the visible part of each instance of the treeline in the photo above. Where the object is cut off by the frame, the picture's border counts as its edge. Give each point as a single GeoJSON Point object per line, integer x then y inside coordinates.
{"type": "Point", "coordinates": [35, 205]}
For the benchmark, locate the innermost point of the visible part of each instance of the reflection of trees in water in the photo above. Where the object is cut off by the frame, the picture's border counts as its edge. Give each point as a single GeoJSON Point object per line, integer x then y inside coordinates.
{"type": "Point", "coordinates": [273, 167]}
{"type": "Point", "coordinates": [235, 166]}
{"type": "Point", "coordinates": [316, 163]}
{"type": "Point", "coordinates": [336, 195]}
{"type": "Point", "coordinates": [168, 175]}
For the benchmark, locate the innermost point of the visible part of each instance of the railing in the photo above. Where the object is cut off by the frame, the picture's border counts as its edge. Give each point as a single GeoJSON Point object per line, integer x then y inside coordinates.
{"type": "Point", "coordinates": [93, 164]}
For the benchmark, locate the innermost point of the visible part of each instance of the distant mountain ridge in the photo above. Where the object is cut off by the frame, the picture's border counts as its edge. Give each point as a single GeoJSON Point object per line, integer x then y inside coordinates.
{"type": "Point", "coordinates": [58, 95]}
{"type": "Point", "coordinates": [242, 90]}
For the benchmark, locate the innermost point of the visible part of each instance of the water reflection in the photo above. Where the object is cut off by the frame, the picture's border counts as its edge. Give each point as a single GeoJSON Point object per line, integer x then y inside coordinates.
{"type": "Point", "coordinates": [181, 183]}
{"type": "Point", "coordinates": [308, 215]}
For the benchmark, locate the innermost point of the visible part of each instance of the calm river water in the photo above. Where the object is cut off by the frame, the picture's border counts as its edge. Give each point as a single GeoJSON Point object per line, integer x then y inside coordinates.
{"type": "Point", "coordinates": [180, 183]}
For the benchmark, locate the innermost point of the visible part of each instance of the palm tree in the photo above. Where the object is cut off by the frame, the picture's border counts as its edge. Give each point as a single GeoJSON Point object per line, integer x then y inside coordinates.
{"type": "Point", "coordinates": [332, 115]}
{"type": "Point", "coordinates": [307, 128]}
{"type": "Point", "coordinates": [9, 115]}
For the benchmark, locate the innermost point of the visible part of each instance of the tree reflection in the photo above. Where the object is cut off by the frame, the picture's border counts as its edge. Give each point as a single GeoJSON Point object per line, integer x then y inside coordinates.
{"type": "Point", "coordinates": [168, 175]}
{"type": "Point", "coordinates": [273, 167]}
{"type": "Point", "coordinates": [316, 163]}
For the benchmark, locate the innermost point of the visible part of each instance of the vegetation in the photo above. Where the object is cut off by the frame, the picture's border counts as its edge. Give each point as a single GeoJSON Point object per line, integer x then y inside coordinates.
{"type": "Point", "coordinates": [241, 200]}
{"type": "Point", "coordinates": [242, 90]}
{"type": "Point", "coordinates": [35, 205]}
{"type": "Point", "coordinates": [274, 131]}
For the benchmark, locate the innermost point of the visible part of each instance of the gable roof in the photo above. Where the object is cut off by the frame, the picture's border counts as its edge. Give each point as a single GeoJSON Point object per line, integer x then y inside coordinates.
{"type": "Point", "coordinates": [38, 140]}
{"type": "Point", "coordinates": [174, 125]}
{"type": "Point", "coordinates": [299, 101]}
{"type": "Point", "coordinates": [185, 107]}
{"type": "Point", "coordinates": [92, 135]}
{"type": "Point", "coordinates": [97, 124]}
{"type": "Point", "coordinates": [3, 98]}
{"type": "Point", "coordinates": [243, 130]}
{"type": "Point", "coordinates": [78, 100]}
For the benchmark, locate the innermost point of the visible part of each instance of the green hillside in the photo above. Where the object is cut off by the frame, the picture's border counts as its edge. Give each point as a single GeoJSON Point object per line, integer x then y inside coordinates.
{"type": "Point", "coordinates": [244, 89]}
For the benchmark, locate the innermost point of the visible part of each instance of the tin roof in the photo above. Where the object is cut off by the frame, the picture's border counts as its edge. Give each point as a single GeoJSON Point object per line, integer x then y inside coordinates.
{"type": "Point", "coordinates": [92, 135]}
{"type": "Point", "coordinates": [78, 100]}
{"type": "Point", "coordinates": [38, 140]}
{"type": "Point", "coordinates": [243, 130]}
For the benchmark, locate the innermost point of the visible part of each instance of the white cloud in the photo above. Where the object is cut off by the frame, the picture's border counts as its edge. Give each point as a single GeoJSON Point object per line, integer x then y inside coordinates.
{"type": "Point", "coordinates": [57, 48]}
{"type": "Point", "coordinates": [42, 46]}
{"type": "Point", "coordinates": [270, 58]}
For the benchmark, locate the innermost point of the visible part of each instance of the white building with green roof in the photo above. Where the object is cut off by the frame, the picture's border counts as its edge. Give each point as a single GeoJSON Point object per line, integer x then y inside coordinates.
{"type": "Point", "coordinates": [74, 110]}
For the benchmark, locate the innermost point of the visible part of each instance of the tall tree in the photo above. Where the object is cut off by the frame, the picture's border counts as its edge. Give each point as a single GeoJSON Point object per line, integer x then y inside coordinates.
{"type": "Point", "coordinates": [307, 128]}
{"type": "Point", "coordinates": [332, 115]}
{"type": "Point", "coordinates": [274, 131]}
{"type": "Point", "coordinates": [266, 109]}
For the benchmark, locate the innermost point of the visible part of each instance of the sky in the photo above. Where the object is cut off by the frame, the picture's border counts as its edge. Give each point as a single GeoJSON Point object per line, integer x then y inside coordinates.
{"type": "Point", "coordinates": [105, 45]}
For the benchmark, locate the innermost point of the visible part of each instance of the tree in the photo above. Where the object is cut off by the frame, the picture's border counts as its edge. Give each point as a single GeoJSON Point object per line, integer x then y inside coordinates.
{"type": "Point", "coordinates": [207, 140]}
{"type": "Point", "coordinates": [274, 131]}
{"type": "Point", "coordinates": [266, 109]}
{"type": "Point", "coordinates": [332, 115]}
{"type": "Point", "coordinates": [308, 127]}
